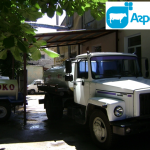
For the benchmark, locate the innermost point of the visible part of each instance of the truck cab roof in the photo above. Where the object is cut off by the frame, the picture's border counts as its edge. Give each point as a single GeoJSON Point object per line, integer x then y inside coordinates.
{"type": "Point", "coordinates": [85, 55]}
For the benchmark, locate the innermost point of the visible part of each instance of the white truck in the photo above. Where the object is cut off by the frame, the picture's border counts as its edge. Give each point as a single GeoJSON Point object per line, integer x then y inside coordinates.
{"type": "Point", "coordinates": [32, 88]}
{"type": "Point", "coordinates": [9, 97]}
{"type": "Point", "coordinates": [106, 90]}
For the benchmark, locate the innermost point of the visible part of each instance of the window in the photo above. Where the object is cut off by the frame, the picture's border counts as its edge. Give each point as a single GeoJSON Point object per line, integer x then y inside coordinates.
{"type": "Point", "coordinates": [42, 56]}
{"type": "Point", "coordinates": [134, 45]}
{"type": "Point", "coordinates": [94, 66]}
{"type": "Point", "coordinates": [114, 66]}
{"type": "Point", "coordinates": [97, 48]}
{"type": "Point", "coordinates": [83, 69]}
{"type": "Point", "coordinates": [133, 41]}
{"type": "Point", "coordinates": [37, 82]}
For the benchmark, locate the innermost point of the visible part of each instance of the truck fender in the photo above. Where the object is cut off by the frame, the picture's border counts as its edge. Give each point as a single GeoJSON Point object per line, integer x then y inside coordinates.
{"type": "Point", "coordinates": [109, 104]}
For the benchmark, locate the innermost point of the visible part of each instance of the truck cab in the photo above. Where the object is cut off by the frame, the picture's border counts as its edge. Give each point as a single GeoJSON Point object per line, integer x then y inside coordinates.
{"type": "Point", "coordinates": [105, 90]}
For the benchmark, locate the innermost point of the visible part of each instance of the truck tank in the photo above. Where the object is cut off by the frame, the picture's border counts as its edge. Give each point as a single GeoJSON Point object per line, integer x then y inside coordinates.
{"type": "Point", "coordinates": [9, 88]}
{"type": "Point", "coordinates": [56, 75]}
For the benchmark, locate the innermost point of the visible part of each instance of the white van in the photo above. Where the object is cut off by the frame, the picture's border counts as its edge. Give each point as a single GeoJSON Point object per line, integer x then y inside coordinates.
{"type": "Point", "coordinates": [32, 88]}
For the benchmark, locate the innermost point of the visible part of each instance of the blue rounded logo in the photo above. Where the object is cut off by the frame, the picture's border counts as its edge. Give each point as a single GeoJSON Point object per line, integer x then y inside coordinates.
{"type": "Point", "coordinates": [117, 16]}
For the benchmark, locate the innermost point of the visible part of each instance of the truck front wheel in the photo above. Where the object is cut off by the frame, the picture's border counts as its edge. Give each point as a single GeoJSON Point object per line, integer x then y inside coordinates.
{"type": "Point", "coordinates": [5, 111]}
{"type": "Point", "coordinates": [54, 114]}
{"type": "Point", "coordinates": [101, 130]}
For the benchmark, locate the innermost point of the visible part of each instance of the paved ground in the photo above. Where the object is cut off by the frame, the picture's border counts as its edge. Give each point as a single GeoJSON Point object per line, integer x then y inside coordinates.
{"type": "Point", "coordinates": [40, 134]}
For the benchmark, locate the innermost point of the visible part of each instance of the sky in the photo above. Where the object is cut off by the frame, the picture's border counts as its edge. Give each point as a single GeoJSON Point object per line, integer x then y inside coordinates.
{"type": "Point", "coordinates": [50, 21]}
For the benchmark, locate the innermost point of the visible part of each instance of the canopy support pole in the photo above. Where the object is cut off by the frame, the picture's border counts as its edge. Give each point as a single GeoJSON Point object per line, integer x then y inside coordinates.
{"type": "Point", "coordinates": [78, 49]}
{"type": "Point", "coordinates": [25, 87]}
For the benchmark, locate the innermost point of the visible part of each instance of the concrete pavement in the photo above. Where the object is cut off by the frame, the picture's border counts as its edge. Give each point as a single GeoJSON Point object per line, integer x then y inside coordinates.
{"type": "Point", "coordinates": [39, 133]}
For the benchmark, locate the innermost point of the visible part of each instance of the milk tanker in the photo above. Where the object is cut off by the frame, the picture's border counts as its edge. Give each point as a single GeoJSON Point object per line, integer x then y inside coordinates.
{"type": "Point", "coordinates": [9, 97]}
{"type": "Point", "coordinates": [55, 76]}
{"type": "Point", "coordinates": [105, 90]}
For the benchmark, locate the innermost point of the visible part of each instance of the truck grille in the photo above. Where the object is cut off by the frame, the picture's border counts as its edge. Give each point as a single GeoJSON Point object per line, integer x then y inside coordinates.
{"type": "Point", "coordinates": [144, 104]}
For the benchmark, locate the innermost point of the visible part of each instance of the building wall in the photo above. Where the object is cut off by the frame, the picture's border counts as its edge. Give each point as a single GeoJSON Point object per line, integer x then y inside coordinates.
{"type": "Point", "coordinates": [46, 62]}
{"type": "Point", "coordinates": [145, 44]}
{"type": "Point", "coordinates": [90, 23]}
{"type": "Point", "coordinates": [63, 51]}
{"type": "Point", "coordinates": [77, 22]}
{"type": "Point", "coordinates": [107, 43]}
{"type": "Point", "coordinates": [34, 72]}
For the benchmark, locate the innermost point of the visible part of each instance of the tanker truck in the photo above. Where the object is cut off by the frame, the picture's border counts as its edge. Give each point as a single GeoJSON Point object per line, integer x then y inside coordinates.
{"type": "Point", "coordinates": [105, 90]}
{"type": "Point", "coordinates": [9, 97]}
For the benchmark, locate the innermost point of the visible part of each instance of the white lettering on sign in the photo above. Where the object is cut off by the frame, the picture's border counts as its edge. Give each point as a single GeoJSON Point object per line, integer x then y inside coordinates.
{"type": "Point", "coordinates": [6, 87]}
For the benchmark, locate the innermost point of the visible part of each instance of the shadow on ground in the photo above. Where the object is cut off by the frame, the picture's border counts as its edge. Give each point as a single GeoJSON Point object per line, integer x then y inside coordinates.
{"type": "Point", "coordinates": [64, 134]}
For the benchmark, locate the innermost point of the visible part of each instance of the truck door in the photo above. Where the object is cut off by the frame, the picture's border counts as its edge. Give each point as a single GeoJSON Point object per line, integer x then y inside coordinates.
{"type": "Point", "coordinates": [81, 86]}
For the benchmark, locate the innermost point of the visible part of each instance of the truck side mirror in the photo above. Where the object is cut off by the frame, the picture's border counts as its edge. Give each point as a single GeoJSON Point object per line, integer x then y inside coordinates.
{"type": "Point", "coordinates": [68, 77]}
{"type": "Point", "coordinates": [68, 66]}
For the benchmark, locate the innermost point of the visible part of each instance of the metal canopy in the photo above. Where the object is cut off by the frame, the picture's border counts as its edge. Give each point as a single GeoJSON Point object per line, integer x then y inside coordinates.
{"type": "Point", "coordinates": [36, 25]}
{"type": "Point", "coordinates": [73, 37]}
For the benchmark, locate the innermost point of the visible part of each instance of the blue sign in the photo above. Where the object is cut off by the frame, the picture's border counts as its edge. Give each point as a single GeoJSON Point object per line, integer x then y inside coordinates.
{"type": "Point", "coordinates": [118, 16]}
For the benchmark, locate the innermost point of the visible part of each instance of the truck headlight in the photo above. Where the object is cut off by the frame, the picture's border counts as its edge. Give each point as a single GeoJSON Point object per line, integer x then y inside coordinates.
{"type": "Point", "coordinates": [118, 111]}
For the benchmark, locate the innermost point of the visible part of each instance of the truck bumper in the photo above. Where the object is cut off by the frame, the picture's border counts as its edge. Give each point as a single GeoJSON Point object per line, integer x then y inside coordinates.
{"type": "Point", "coordinates": [131, 126]}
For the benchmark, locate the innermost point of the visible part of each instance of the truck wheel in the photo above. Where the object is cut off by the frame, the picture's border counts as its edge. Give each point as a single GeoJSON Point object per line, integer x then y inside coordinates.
{"type": "Point", "coordinates": [32, 92]}
{"type": "Point", "coordinates": [5, 111]}
{"type": "Point", "coordinates": [54, 114]}
{"type": "Point", "coordinates": [54, 108]}
{"type": "Point", "coordinates": [101, 130]}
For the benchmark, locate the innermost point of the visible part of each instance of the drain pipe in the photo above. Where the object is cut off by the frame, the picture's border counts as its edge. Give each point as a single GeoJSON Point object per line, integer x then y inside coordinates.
{"type": "Point", "coordinates": [78, 49]}
{"type": "Point", "coordinates": [116, 40]}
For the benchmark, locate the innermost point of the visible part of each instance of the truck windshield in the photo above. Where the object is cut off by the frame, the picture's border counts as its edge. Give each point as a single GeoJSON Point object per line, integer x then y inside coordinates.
{"type": "Point", "coordinates": [114, 66]}
{"type": "Point", "coordinates": [33, 82]}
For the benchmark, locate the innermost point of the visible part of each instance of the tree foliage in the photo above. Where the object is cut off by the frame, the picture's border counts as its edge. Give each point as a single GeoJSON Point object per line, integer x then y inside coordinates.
{"type": "Point", "coordinates": [15, 35]}
{"type": "Point", "coordinates": [18, 36]}
{"type": "Point", "coordinates": [6, 66]}
{"type": "Point", "coordinates": [97, 7]}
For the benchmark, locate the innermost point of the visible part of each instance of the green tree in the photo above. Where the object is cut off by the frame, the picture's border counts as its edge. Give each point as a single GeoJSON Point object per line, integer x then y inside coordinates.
{"type": "Point", "coordinates": [7, 64]}
{"type": "Point", "coordinates": [18, 36]}
{"type": "Point", "coordinates": [97, 7]}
